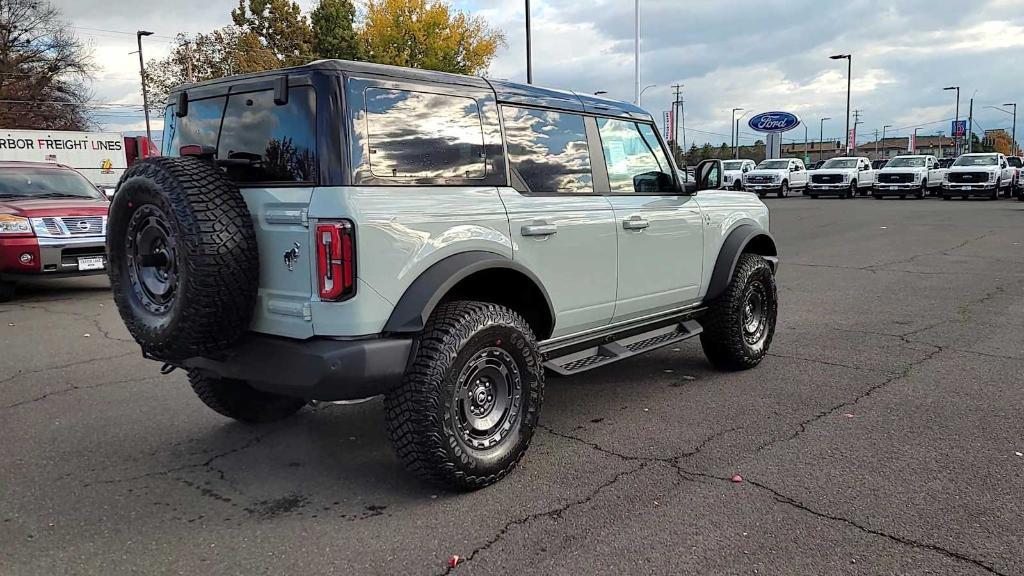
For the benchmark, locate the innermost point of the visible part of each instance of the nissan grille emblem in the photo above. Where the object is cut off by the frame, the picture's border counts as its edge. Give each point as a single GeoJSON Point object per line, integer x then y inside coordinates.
{"type": "Point", "coordinates": [84, 225]}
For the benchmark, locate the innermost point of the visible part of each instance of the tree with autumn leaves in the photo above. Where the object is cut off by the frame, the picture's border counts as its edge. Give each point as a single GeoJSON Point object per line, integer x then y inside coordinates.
{"type": "Point", "coordinates": [270, 34]}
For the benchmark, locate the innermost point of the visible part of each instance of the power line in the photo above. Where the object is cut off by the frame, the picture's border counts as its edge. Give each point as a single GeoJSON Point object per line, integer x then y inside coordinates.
{"type": "Point", "coordinates": [123, 32]}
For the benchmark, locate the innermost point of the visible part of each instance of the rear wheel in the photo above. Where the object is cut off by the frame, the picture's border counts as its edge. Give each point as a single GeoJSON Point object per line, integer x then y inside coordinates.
{"type": "Point", "coordinates": [740, 324]}
{"type": "Point", "coordinates": [469, 404]}
{"type": "Point", "coordinates": [6, 291]}
{"type": "Point", "coordinates": [239, 401]}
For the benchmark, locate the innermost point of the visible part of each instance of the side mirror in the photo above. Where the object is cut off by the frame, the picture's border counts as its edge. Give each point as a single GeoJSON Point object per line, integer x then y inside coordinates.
{"type": "Point", "coordinates": [652, 183]}
{"type": "Point", "coordinates": [709, 175]}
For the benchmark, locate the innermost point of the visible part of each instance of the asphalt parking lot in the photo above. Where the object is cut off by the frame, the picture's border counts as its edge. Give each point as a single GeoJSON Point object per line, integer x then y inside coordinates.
{"type": "Point", "coordinates": [883, 435]}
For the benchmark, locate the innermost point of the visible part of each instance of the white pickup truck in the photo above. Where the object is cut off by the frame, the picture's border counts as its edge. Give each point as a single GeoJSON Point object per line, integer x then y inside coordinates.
{"type": "Point", "coordinates": [778, 175]}
{"type": "Point", "coordinates": [917, 175]}
{"type": "Point", "coordinates": [734, 171]}
{"type": "Point", "coordinates": [843, 177]}
{"type": "Point", "coordinates": [980, 174]}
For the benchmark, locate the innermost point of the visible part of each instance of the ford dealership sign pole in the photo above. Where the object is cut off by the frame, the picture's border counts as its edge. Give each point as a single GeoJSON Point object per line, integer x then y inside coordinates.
{"type": "Point", "coordinates": [773, 124]}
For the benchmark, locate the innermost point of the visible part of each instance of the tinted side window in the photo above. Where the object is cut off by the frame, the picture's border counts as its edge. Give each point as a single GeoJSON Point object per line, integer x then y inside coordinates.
{"type": "Point", "coordinates": [198, 128]}
{"type": "Point", "coordinates": [547, 151]}
{"type": "Point", "coordinates": [636, 162]}
{"type": "Point", "coordinates": [264, 142]}
{"type": "Point", "coordinates": [423, 135]}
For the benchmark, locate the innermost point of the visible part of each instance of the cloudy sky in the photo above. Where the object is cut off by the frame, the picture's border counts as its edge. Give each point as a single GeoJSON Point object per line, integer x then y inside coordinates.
{"type": "Point", "coordinates": [756, 54]}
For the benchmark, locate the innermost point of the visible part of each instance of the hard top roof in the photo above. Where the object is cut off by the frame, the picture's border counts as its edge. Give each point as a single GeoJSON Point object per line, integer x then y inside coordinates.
{"type": "Point", "coordinates": [31, 164]}
{"type": "Point", "coordinates": [504, 90]}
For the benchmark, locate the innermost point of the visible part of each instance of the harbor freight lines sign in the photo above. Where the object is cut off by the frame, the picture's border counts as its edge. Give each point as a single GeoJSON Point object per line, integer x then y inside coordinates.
{"type": "Point", "coordinates": [50, 143]}
{"type": "Point", "coordinates": [769, 122]}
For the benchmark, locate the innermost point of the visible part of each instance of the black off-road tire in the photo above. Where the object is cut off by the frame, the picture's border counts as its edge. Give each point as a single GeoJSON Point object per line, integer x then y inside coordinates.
{"type": "Point", "coordinates": [239, 401]}
{"type": "Point", "coordinates": [426, 413]}
{"type": "Point", "coordinates": [7, 290]}
{"type": "Point", "coordinates": [186, 213]}
{"type": "Point", "coordinates": [725, 340]}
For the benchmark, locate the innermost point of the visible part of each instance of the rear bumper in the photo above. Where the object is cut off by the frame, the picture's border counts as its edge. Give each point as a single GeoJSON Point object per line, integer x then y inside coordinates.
{"type": "Point", "coordinates": [315, 369]}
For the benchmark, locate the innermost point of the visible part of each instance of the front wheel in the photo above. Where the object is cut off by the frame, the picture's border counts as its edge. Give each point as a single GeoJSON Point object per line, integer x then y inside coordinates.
{"type": "Point", "coordinates": [468, 405]}
{"type": "Point", "coordinates": [924, 190]}
{"type": "Point", "coordinates": [852, 192]}
{"type": "Point", "coordinates": [740, 324]}
{"type": "Point", "coordinates": [995, 191]}
{"type": "Point", "coordinates": [784, 190]}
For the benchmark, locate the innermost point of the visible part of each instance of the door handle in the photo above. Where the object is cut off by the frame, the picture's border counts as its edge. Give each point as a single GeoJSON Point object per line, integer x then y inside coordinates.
{"type": "Point", "coordinates": [635, 223]}
{"type": "Point", "coordinates": [541, 229]}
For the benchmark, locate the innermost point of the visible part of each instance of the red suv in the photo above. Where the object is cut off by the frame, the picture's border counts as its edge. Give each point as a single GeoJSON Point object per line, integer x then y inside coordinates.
{"type": "Point", "coordinates": [52, 224]}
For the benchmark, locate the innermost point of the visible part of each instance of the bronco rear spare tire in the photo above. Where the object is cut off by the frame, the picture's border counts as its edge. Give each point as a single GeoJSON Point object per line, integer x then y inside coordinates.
{"type": "Point", "coordinates": [184, 264]}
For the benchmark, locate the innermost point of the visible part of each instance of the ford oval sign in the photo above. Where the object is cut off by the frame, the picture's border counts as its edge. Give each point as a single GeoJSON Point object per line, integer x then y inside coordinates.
{"type": "Point", "coordinates": [774, 122]}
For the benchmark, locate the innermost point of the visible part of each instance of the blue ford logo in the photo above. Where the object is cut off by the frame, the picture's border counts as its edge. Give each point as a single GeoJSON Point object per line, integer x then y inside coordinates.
{"type": "Point", "coordinates": [774, 122]}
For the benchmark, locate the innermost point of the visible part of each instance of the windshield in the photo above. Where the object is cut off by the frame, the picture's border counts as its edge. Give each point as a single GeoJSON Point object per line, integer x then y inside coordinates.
{"type": "Point", "coordinates": [43, 182]}
{"type": "Point", "coordinates": [732, 165]}
{"type": "Point", "coordinates": [976, 161]}
{"type": "Point", "coordinates": [774, 164]}
{"type": "Point", "coordinates": [841, 163]}
{"type": "Point", "coordinates": [1015, 162]}
{"type": "Point", "coordinates": [906, 163]}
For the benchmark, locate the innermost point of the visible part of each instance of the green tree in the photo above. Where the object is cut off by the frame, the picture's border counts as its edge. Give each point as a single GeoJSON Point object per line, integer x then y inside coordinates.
{"type": "Point", "coordinates": [333, 32]}
{"type": "Point", "coordinates": [222, 52]}
{"type": "Point", "coordinates": [280, 27]}
{"type": "Point", "coordinates": [427, 34]}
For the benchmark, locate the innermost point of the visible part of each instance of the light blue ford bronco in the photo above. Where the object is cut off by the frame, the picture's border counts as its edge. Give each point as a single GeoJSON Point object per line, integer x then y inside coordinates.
{"type": "Point", "coordinates": [344, 230]}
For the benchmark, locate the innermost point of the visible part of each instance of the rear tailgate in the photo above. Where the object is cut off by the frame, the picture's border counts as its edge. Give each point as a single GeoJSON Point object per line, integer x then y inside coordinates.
{"type": "Point", "coordinates": [280, 216]}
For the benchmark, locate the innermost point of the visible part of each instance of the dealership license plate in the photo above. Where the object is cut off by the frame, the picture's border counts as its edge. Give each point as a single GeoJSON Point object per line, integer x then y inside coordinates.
{"type": "Point", "coordinates": [91, 263]}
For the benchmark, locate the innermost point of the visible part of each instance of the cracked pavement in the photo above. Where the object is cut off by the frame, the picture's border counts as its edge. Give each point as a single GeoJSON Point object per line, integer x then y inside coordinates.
{"type": "Point", "coordinates": [881, 436]}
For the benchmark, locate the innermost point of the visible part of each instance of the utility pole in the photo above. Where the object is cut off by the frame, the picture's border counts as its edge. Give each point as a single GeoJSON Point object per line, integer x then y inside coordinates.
{"type": "Point", "coordinates": [883, 137]}
{"type": "Point", "coordinates": [856, 122]}
{"type": "Point", "coordinates": [529, 53]}
{"type": "Point", "coordinates": [675, 118]}
{"type": "Point", "coordinates": [876, 143]}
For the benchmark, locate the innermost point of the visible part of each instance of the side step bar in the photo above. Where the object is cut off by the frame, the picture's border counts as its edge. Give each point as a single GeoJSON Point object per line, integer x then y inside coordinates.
{"type": "Point", "coordinates": [627, 347]}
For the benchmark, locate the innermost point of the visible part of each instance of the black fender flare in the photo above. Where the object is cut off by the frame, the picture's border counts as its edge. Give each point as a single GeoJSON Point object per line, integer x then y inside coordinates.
{"type": "Point", "coordinates": [422, 296]}
{"type": "Point", "coordinates": [736, 244]}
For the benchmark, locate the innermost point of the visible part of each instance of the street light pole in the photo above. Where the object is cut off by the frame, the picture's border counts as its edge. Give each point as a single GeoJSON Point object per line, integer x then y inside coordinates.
{"type": "Point", "coordinates": [733, 128]}
{"type": "Point", "coordinates": [956, 138]}
{"type": "Point", "coordinates": [142, 75]}
{"type": "Point", "coordinates": [821, 137]}
{"type": "Point", "coordinates": [636, 49]}
{"type": "Point", "coordinates": [529, 52]}
{"type": "Point", "coordinates": [640, 101]}
{"type": "Point", "coordinates": [849, 84]}
{"type": "Point", "coordinates": [883, 137]}
{"type": "Point", "coordinates": [1013, 150]}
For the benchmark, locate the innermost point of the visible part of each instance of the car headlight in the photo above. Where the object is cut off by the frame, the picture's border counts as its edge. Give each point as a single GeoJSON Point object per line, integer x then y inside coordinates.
{"type": "Point", "coordinates": [846, 178]}
{"type": "Point", "coordinates": [945, 178]}
{"type": "Point", "coordinates": [14, 225]}
{"type": "Point", "coordinates": [991, 176]}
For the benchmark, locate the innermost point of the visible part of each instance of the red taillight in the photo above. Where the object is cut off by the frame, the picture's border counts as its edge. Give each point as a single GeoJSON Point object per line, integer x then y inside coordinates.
{"type": "Point", "coordinates": [335, 259]}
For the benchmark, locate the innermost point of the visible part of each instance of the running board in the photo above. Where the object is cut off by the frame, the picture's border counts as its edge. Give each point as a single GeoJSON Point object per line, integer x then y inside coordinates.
{"type": "Point", "coordinates": [627, 347]}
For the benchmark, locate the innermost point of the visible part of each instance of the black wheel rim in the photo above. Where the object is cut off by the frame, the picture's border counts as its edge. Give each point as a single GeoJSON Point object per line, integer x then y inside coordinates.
{"type": "Point", "coordinates": [151, 251]}
{"type": "Point", "coordinates": [488, 398]}
{"type": "Point", "coordinates": [755, 314]}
